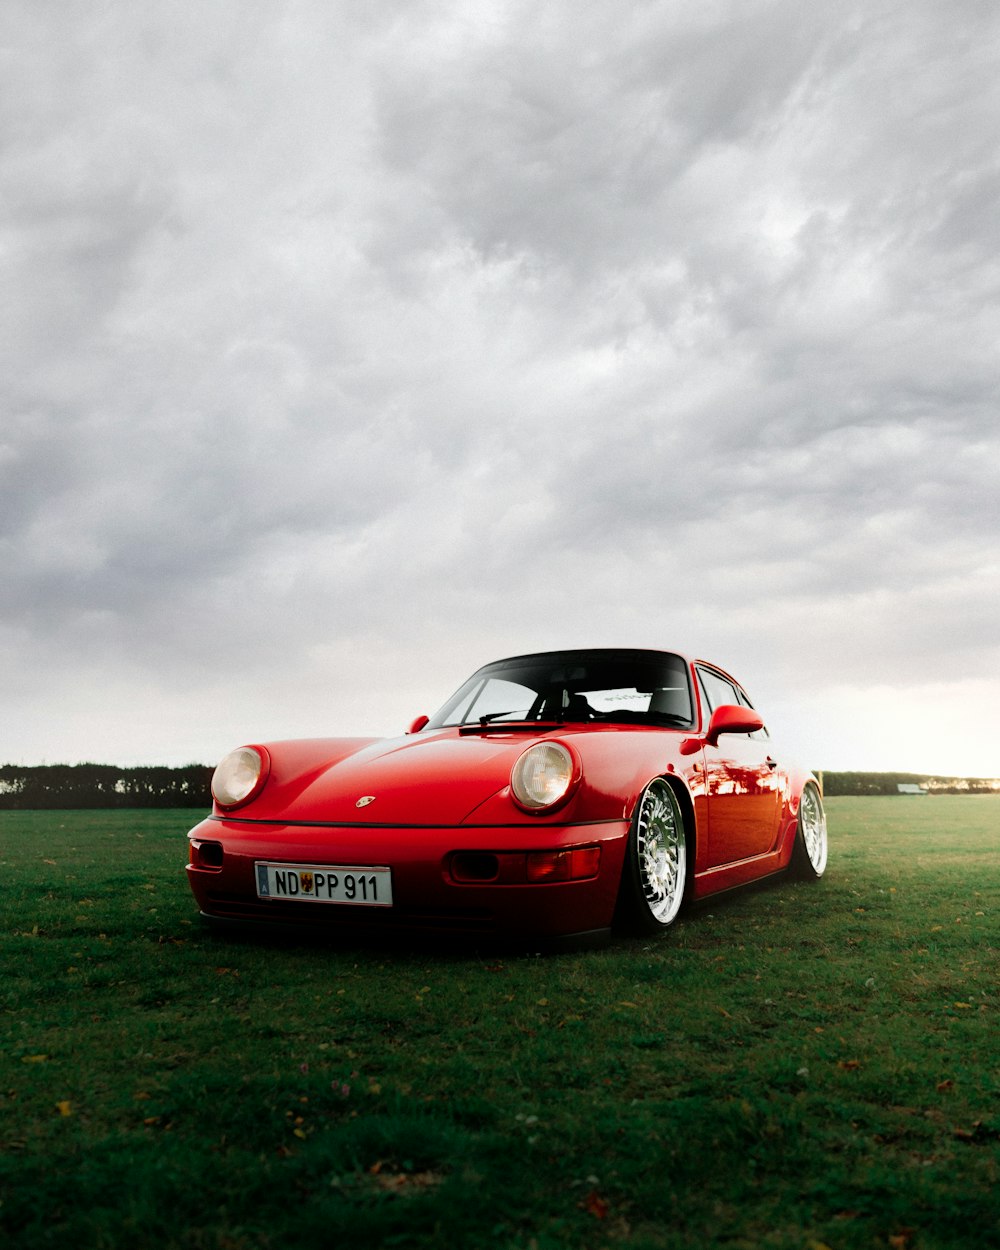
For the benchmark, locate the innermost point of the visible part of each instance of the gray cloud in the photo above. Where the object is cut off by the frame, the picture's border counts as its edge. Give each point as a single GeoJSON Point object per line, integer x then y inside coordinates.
{"type": "Point", "coordinates": [344, 350]}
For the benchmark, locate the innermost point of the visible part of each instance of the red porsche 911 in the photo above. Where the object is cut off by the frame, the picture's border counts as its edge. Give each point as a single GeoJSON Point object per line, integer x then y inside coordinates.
{"type": "Point", "coordinates": [563, 793]}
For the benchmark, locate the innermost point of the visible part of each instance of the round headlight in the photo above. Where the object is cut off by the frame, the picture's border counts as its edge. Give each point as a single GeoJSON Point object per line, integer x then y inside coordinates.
{"type": "Point", "coordinates": [240, 776]}
{"type": "Point", "coordinates": [543, 775]}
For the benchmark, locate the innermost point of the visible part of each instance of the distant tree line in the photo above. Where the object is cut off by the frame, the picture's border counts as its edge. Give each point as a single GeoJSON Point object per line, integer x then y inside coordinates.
{"type": "Point", "coordinates": [103, 785]}
{"type": "Point", "coordinates": [889, 783]}
{"type": "Point", "coordinates": [107, 785]}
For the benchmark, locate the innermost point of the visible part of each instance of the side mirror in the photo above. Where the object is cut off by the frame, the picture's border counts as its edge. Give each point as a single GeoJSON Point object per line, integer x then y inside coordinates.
{"type": "Point", "coordinates": [730, 719]}
{"type": "Point", "coordinates": [418, 724]}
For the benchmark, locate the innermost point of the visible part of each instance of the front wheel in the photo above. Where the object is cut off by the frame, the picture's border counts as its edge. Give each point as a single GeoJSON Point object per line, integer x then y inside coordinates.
{"type": "Point", "coordinates": [654, 877]}
{"type": "Point", "coordinates": [809, 852]}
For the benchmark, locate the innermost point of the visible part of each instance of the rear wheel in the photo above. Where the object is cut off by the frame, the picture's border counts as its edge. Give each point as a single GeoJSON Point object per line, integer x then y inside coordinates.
{"type": "Point", "coordinates": [809, 853]}
{"type": "Point", "coordinates": [655, 872]}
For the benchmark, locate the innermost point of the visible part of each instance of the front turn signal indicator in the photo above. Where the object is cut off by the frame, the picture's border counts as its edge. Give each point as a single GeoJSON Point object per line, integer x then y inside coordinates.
{"type": "Point", "coordinates": [573, 865]}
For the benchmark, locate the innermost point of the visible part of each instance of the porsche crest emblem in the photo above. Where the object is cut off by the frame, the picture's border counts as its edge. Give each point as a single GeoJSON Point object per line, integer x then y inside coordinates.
{"type": "Point", "coordinates": [365, 800]}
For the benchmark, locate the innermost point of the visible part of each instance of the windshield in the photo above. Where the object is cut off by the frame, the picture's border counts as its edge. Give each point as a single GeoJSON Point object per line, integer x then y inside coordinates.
{"type": "Point", "coordinates": [620, 687]}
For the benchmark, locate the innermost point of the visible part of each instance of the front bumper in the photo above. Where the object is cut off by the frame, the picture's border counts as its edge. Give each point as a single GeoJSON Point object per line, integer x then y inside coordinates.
{"type": "Point", "coordinates": [427, 897]}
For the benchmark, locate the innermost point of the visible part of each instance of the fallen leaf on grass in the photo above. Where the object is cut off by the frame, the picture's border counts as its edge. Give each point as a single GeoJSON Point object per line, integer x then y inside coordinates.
{"type": "Point", "coordinates": [34, 1058]}
{"type": "Point", "coordinates": [849, 1065]}
{"type": "Point", "coordinates": [64, 1107]}
{"type": "Point", "coordinates": [396, 1182]}
{"type": "Point", "coordinates": [595, 1205]}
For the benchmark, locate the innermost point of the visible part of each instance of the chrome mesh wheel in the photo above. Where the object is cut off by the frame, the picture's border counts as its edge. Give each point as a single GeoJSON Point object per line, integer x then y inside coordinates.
{"type": "Point", "coordinates": [660, 853]}
{"type": "Point", "coordinates": [810, 839]}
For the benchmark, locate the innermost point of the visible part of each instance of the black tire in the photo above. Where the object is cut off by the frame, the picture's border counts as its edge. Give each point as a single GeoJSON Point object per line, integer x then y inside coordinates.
{"type": "Point", "coordinates": [655, 872]}
{"type": "Point", "coordinates": [810, 849]}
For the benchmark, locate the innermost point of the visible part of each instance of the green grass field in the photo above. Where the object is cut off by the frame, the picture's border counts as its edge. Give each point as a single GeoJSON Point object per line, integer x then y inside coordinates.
{"type": "Point", "coordinates": [794, 1066]}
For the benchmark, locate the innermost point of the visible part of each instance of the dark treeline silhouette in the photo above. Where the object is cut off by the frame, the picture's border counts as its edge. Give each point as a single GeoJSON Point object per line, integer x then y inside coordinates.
{"type": "Point", "coordinates": [107, 785]}
{"type": "Point", "coordinates": [103, 785]}
{"type": "Point", "coordinates": [889, 783]}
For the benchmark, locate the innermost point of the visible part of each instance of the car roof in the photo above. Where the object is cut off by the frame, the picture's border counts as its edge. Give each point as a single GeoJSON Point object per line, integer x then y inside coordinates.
{"type": "Point", "coordinates": [594, 652]}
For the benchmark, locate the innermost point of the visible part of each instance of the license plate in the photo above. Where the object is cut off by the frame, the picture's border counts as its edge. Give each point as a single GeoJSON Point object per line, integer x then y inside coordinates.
{"type": "Point", "coordinates": [325, 883]}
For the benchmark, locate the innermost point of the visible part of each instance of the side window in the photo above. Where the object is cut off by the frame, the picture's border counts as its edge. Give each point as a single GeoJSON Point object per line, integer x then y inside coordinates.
{"type": "Point", "coordinates": [761, 734]}
{"type": "Point", "coordinates": [716, 689]}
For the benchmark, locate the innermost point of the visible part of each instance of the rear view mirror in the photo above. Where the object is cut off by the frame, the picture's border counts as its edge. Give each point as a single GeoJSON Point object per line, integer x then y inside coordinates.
{"type": "Point", "coordinates": [418, 724]}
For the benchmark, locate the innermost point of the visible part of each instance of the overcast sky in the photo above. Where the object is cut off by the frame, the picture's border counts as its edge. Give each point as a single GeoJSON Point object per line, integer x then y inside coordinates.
{"type": "Point", "coordinates": [345, 347]}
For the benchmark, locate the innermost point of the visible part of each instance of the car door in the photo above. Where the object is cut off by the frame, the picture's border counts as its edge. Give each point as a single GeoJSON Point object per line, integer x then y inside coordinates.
{"type": "Point", "coordinates": [743, 782]}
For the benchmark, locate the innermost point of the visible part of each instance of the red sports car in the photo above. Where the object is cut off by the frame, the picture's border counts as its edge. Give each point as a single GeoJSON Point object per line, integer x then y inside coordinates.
{"type": "Point", "coordinates": [561, 793]}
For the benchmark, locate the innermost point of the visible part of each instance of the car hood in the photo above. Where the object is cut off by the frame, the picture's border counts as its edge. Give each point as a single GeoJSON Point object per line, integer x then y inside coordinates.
{"type": "Point", "coordinates": [436, 778]}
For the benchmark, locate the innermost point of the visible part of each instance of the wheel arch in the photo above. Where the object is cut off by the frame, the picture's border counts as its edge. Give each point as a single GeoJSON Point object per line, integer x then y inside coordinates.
{"type": "Point", "coordinates": [683, 795]}
{"type": "Point", "coordinates": [684, 801]}
{"type": "Point", "coordinates": [686, 804]}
